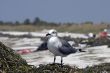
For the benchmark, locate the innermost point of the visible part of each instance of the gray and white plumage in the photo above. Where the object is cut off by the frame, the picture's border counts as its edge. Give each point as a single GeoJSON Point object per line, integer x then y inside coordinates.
{"type": "Point", "coordinates": [66, 48]}
{"type": "Point", "coordinates": [57, 46]}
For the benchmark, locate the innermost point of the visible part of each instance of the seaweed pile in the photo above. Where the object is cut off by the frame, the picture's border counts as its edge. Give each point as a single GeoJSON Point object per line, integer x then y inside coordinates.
{"type": "Point", "coordinates": [102, 68]}
{"type": "Point", "coordinates": [56, 68]}
{"type": "Point", "coordinates": [94, 41]}
{"type": "Point", "coordinates": [10, 62]}
{"type": "Point", "coordinates": [99, 41]}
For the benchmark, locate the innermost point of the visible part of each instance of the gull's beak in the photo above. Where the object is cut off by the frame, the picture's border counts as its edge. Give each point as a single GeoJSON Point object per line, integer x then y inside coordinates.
{"type": "Point", "coordinates": [47, 34]}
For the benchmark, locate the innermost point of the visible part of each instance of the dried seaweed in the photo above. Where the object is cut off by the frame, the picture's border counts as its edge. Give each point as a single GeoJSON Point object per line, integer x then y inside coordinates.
{"type": "Point", "coordinates": [102, 68]}
{"type": "Point", "coordinates": [57, 68]}
{"type": "Point", "coordinates": [10, 62]}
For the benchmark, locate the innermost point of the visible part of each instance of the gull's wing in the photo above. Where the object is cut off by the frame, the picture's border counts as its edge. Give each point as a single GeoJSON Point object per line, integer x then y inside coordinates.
{"type": "Point", "coordinates": [66, 48]}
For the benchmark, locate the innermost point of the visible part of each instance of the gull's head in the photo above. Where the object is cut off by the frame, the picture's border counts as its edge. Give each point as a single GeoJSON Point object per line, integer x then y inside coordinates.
{"type": "Point", "coordinates": [51, 32]}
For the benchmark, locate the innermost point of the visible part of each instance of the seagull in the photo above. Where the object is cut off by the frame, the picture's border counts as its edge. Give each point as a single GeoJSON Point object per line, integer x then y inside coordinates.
{"type": "Point", "coordinates": [59, 47]}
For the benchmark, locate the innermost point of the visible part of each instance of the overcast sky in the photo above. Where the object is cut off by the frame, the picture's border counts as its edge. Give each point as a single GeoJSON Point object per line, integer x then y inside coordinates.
{"type": "Point", "coordinates": [56, 10]}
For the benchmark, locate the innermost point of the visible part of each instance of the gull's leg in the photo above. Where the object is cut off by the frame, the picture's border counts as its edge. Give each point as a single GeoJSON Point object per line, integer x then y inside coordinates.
{"type": "Point", "coordinates": [54, 59]}
{"type": "Point", "coordinates": [61, 61]}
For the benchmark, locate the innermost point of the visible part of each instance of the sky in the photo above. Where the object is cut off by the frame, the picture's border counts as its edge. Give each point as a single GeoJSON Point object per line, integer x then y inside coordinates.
{"type": "Point", "coordinates": [55, 10]}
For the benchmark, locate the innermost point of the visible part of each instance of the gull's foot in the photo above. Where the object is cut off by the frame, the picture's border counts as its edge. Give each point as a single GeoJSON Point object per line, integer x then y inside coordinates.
{"type": "Point", "coordinates": [62, 64]}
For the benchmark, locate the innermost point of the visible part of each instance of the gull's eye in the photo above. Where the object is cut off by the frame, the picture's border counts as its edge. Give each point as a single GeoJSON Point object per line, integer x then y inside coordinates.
{"type": "Point", "coordinates": [53, 32]}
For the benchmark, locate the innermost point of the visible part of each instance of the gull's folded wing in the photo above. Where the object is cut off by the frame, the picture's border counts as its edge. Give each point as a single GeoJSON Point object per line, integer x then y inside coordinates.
{"type": "Point", "coordinates": [66, 48]}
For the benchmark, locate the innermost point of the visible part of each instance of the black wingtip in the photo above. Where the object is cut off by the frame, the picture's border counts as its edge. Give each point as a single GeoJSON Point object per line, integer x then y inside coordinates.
{"type": "Point", "coordinates": [80, 50]}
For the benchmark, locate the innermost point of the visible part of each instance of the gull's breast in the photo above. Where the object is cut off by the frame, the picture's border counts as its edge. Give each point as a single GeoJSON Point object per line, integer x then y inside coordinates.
{"type": "Point", "coordinates": [53, 45]}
